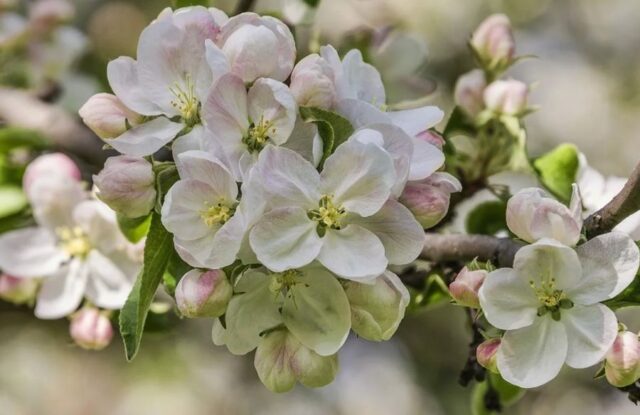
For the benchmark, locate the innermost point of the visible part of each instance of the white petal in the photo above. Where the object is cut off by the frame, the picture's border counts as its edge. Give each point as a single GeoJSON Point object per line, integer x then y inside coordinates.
{"type": "Point", "coordinates": [507, 300]}
{"type": "Point", "coordinates": [98, 221]}
{"type": "Point", "coordinates": [272, 101]}
{"type": "Point", "coordinates": [183, 207]}
{"type": "Point", "coordinates": [107, 287]}
{"type": "Point", "coordinates": [62, 293]}
{"type": "Point", "coordinates": [225, 110]}
{"type": "Point", "coordinates": [426, 159]}
{"type": "Point", "coordinates": [123, 79]}
{"type": "Point", "coordinates": [359, 176]}
{"type": "Point", "coordinates": [360, 80]}
{"type": "Point", "coordinates": [353, 253]}
{"type": "Point", "coordinates": [416, 120]}
{"type": "Point", "coordinates": [397, 229]}
{"type": "Point", "coordinates": [316, 310]}
{"type": "Point", "coordinates": [53, 198]}
{"type": "Point", "coordinates": [285, 238]}
{"type": "Point", "coordinates": [532, 356]}
{"type": "Point", "coordinates": [362, 114]}
{"type": "Point", "coordinates": [591, 331]}
{"type": "Point", "coordinates": [548, 259]}
{"type": "Point", "coordinates": [30, 252]}
{"type": "Point", "coordinates": [609, 265]}
{"type": "Point", "coordinates": [207, 169]}
{"type": "Point", "coordinates": [303, 140]}
{"type": "Point", "coordinates": [217, 60]}
{"type": "Point", "coordinates": [147, 138]}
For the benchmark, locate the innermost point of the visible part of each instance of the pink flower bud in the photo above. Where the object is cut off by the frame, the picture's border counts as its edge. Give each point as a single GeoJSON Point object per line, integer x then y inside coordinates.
{"type": "Point", "coordinates": [622, 364]}
{"type": "Point", "coordinates": [428, 199]}
{"type": "Point", "coordinates": [91, 329]}
{"type": "Point", "coordinates": [46, 14]}
{"type": "Point", "coordinates": [532, 215]}
{"type": "Point", "coordinates": [464, 288]}
{"type": "Point", "coordinates": [107, 116]}
{"type": "Point", "coordinates": [48, 165]}
{"type": "Point", "coordinates": [432, 137]}
{"type": "Point", "coordinates": [493, 42]}
{"type": "Point", "coordinates": [486, 354]}
{"type": "Point", "coordinates": [507, 97]}
{"type": "Point", "coordinates": [126, 184]}
{"type": "Point", "coordinates": [17, 290]}
{"type": "Point", "coordinates": [312, 83]}
{"type": "Point", "coordinates": [203, 294]}
{"type": "Point", "coordinates": [469, 90]}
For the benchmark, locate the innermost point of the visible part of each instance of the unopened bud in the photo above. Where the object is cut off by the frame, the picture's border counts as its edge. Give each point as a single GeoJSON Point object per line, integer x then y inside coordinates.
{"type": "Point", "coordinates": [428, 199]}
{"type": "Point", "coordinates": [107, 116]}
{"type": "Point", "coordinates": [49, 165]}
{"type": "Point", "coordinates": [91, 329]}
{"type": "Point", "coordinates": [507, 97]}
{"type": "Point", "coordinates": [432, 137]}
{"type": "Point", "coordinates": [17, 290]}
{"type": "Point", "coordinates": [486, 354]}
{"type": "Point", "coordinates": [622, 364]}
{"type": "Point", "coordinates": [203, 294]}
{"type": "Point", "coordinates": [281, 360]}
{"type": "Point", "coordinates": [126, 184]}
{"type": "Point", "coordinates": [464, 288]}
{"type": "Point", "coordinates": [377, 309]}
{"type": "Point", "coordinates": [493, 42]}
{"type": "Point", "coordinates": [312, 83]}
{"type": "Point", "coordinates": [468, 92]}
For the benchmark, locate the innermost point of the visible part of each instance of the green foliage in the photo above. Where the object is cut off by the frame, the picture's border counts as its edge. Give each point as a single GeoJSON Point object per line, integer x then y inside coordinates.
{"type": "Point", "coordinates": [312, 3]}
{"type": "Point", "coordinates": [434, 293]}
{"type": "Point", "coordinates": [12, 200]}
{"type": "Point", "coordinates": [630, 297]}
{"type": "Point", "coordinates": [14, 137]}
{"type": "Point", "coordinates": [186, 3]}
{"type": "Point", "coordinates": [157, 252]}
{"type": "Point", "coordinates": [458, 123]}
{"type": "Point", "coordinates": [166, 175]}
{"type": "Point", "coordinates": [487, 218]}
{"type": "Point", "coordinates": [333, 129]}
{"type": "Point", "coordinates": [134, 229]}
{"type": "Point", "coordinates": [508, 394]}
{"type": "Point", "coordinates": [557, 170]}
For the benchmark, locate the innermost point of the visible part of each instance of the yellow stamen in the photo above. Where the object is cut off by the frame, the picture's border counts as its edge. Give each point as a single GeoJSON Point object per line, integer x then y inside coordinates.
{"type": "Point", "coordinates": [74, 241]}
{"type": "Point", "coordinates": [186, 101]}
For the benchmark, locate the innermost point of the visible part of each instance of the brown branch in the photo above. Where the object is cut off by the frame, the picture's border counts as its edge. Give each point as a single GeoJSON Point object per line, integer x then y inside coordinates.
{"type": "Point", "coordinates": [618, 209]}
{"type": "Point", "coordinates": [460, 247]}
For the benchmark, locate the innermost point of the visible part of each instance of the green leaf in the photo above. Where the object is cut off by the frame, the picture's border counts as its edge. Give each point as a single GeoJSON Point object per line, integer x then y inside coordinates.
{"type": "Point", "coordinates": [557, 170]}
{"type": "Point", "coordinates": [18, 220]}
{"type": "Point", "coordinates": [134, 229]}
{"type": "Point", "coordinates": [434, 293]}
{"type": "Point", "coordinates": [166, 176]}
{"type": "Point", "coordinates": [312, 3]}
{"type": "Point", "coordinates": [507, 393]}
{"type": "Point", "coordinates": [186, 3]}
{"type": "Point", "coordinates": [333, 129]}
{"type": "Point", "coordinates": [487, 218]}
{"type": "Point", "coordinates": [13, 137]}
{"type": "Point", "coordinates": [458, 123]}
{"type": "Point", "coordinates": [12, 200]}
{"type": "Point", "coordinates": [157, 252]}
{"type": "Point", "coordinates": [630, 297]}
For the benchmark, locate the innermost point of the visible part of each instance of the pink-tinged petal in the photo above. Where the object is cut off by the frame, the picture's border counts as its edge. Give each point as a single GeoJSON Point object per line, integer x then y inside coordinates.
{"type": "Point", "coordinates": [30, 252]}
{"type": "Point", "coordinates": [53, 199]}
{"type": "Point", "coordinates": [203, 167]}
{"type": "Point", "coordinates": [123, 79]}
{"type": "Point", "coordinates": [591, 331]}
{"type": "Point", "coordinates": [507, 300]}
{"type": "Point", "coordinates": [61, 294]}
{"type": "Point", "coordinates": [145, 139]}
{"type": "Point", "coordinates": [359, 80]}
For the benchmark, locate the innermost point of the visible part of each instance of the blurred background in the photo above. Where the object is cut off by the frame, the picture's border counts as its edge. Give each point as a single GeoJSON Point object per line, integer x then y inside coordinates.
{"type": "Point", "coordinates": [585, 71]}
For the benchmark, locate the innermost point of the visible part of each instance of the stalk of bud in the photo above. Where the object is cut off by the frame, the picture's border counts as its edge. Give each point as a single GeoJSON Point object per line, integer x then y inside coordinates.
{"type": "Point", "coordinates": [203, 294]}
{"type": "Point", "coordinates": [18, 290]}
{"type": "Point", "coordinates": [493, 43]}
{"type": "Point", "coordinates": [464, 288]}
{"type": "Point", "coordinates": [107, 116]}
{"type": "Point", "coordinates": [486, 354]}
{"type": "Point", "coordinates": [91, 329]}
{"type": "Point", "coordinates": [126, 184]}
{"type": "Point", "coordinates": [622, 364]}
{"type": "Point", "coordinates": [468, 92]}
{"type": "Point", "coordinates": [507, 97]}
{"type": "Point", "coordinates": [48, 165]}
{"type": "Point", "coordinates": [428, 199]}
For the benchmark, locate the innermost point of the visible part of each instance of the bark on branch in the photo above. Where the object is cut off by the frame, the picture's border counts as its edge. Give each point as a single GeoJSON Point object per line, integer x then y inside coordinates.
{"type": "Point", "coordinates": [618, 209]}
{"type": "Point", "coordinates": [460, 247]}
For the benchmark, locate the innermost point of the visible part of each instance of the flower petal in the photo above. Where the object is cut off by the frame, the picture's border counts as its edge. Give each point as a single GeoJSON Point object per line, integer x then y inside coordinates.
{"type": "Point", "coordinates": [30, 252]}
{"type": "Point", "coordinates": [147, 138]}
{"type": "Point", "coordinates": [591, 331]}
{"type": "Point", "coordinates": [359, 80]}
{"type": "Point", "coordinates": [548, 260]}
{"type": "Point", "coordinates": [416, 120]}
{"type": "Point", "coordinates": [507, 300]}
{"type": "Point", "coordinates": [204, 167]}
{"type": "Point", "coordinates": [183, 207]}
{"type": "Point", "coordinates": [533, 355]}
{"type": "Point", "coordinates": [353, 252]}
{"type": "Point", "coordinates": [123, 79]}
{"type": "Point", "coordinates": [62, 293]}
{"type": "Point", "coordinates": [426, 159]}
{"type": "Point", "coordinates": [53, 199]}
{"type": "Point", "coordinates": [273, 101]}
{"type": "Point", "coordinates": [99, 223]}
{"type": "Point", "coordinates": [107, 287]}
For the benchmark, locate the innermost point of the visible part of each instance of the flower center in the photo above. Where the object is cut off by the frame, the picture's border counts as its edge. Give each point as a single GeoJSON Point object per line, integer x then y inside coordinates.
{"type": "Point", "coordinates": [217, 214]}
{"type": "Point", "coordinates": [74, 241]}
{"type": "Point", "coordinates": [551, 299]}
{"type": "Point", "coordinates": [328, 214]}
{"type": "Point", "coordinates": [258, 135]}
{"type": "Point", "coordinates": [186, 102]}
{"type": "Point", "coordinates": [284, 280]}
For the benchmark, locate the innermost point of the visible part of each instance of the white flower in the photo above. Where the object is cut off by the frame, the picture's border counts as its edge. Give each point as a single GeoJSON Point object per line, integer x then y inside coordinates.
{"type": "Point", "coordinates": [258, 46]}
{"type": "Point", "coordinates": [177, 62]}
{"type": "Point", "coordinates": [244, 122]}
{"type": "Point", "coordinates": [342, 217]}
{"type": "Point", "coordinates": [548, 303]}
{"type": "Point", "coordinates": [77, 249]}
{"type": "Point", "coordinates": [203, 212]}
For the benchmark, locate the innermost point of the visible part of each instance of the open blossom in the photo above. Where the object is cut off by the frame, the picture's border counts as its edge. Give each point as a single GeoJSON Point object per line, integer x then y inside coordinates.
{"type": "Point", "coordinates": [177, 62]}
{"type": "Point", "coordinates": [342, 217]}
{"type": "Point", "coordinates": [244, 122]}
{"type": "Point", "coordinates": [77, 249]}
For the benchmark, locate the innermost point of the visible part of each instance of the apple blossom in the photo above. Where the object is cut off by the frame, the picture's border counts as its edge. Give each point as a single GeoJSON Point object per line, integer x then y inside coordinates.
{"type": "Point", "coordinates": [464, 288]}
{"type": "Point", "coordinates": [258, 47]}
{"type": "Point", "coordinates": [107, 116]}
{"type": "Point", "coordinates": [91, 329]}
{"type": "Point", "coordinates": [127, 185]}
{"type": "Point", "coordinates": [432, 137]}
{"type": "Point", "coordinates": [244, 122]}
{"type": "Point", "coordinates": [203, 294]}
{"type": "Point", "coordinates": [469, 92]}
{"type": "Point", "coordinates": [377, 308]}
{"type": "Point", "coordinates": [428, 199]}
{"type": "Point", "coordinates": [622, 364]}
{"type": "Point", "coordinates": [342, 216]}
{"type": "Point", "coordinates": [47, 165]}
{"type": "Point", "coordinates": [312, 82]}
{"type": "Point", "coordinates": [18, 290]}
{"type": "Point", "coordinates": [486, 354]}
{"type": "Point", "coordinates": [549, 305]}
{"type": "Point", "coordinates": [506, 97]}
{"type": "Point", "coordinates": [493, 42]}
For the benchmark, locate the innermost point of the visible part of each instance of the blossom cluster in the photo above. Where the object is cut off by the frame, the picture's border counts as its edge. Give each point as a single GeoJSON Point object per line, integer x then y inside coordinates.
{"type": "Point", "coordinates": [296, 174]}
